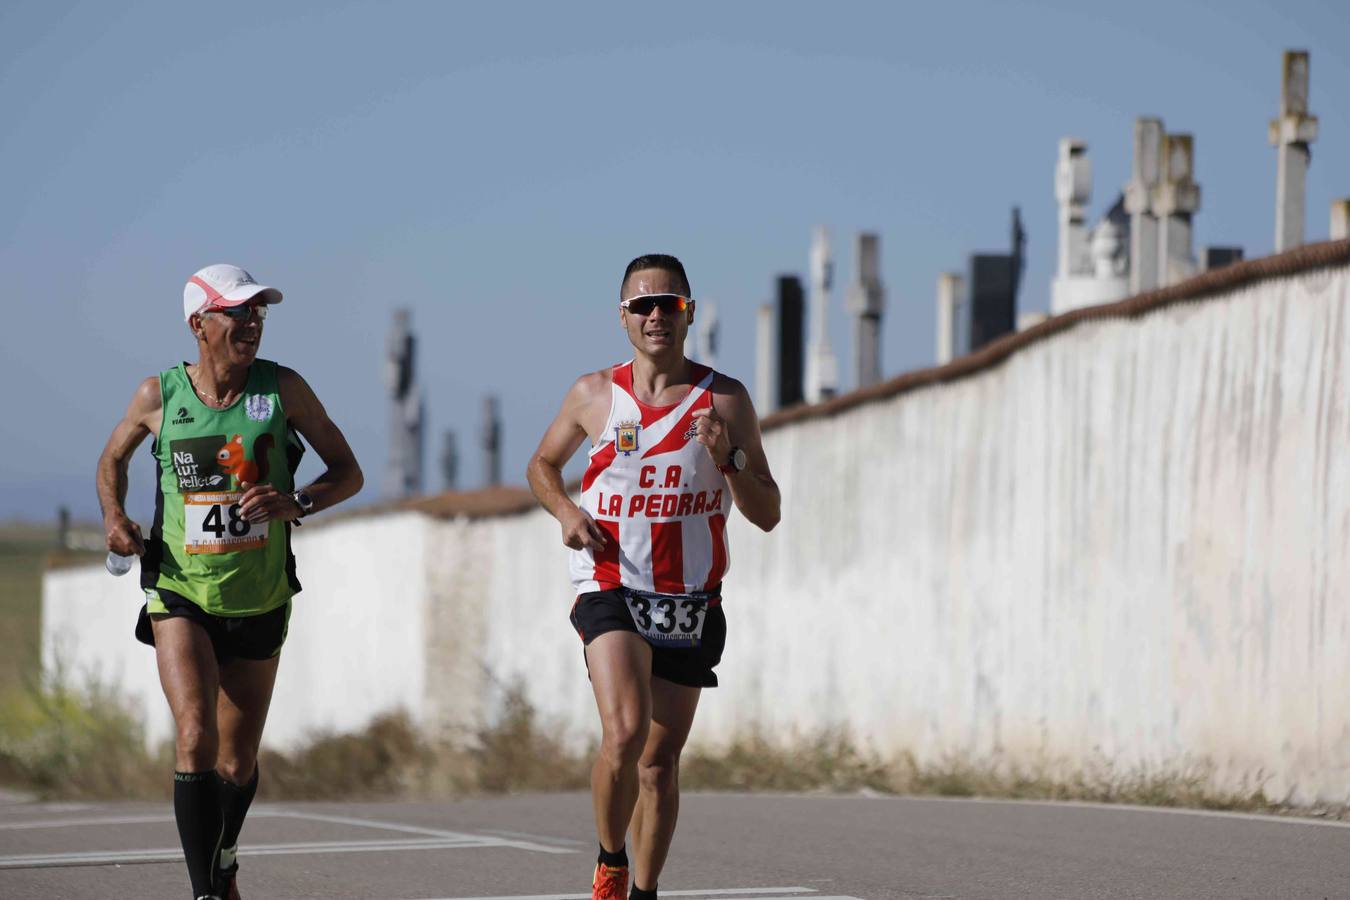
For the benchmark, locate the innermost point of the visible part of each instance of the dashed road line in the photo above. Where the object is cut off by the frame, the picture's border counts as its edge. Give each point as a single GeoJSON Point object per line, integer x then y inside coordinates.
{"type": "Point", "coordinates": [175, 854]}
{"type": "Point", "coordinates": [757, 893]}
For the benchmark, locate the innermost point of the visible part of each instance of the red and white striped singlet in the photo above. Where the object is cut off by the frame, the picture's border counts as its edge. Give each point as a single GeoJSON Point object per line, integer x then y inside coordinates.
{"type": "Point", "coordinates": [657, 495]}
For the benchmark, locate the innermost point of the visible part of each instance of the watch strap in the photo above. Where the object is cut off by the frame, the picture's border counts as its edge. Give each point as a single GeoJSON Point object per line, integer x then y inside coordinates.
{"type": "Point", "coordinates": [729, 467]}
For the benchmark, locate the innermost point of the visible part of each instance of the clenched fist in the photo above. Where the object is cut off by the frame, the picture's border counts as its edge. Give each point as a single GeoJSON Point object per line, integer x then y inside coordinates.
{"type": "Point", "coordinates": [711, 432]}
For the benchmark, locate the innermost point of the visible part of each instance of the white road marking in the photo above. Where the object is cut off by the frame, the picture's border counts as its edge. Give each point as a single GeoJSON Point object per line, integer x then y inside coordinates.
{"type": "Point", "coordinates": [733, 894]}
{"type": "Point", "coordinates": [77, 823]}
{"type": "Point", "coordinates": [431, 839]}
{"type": "Point", "coordinates": [255, 814]}
{"type": "Point", "coordinates": [763, 893]}
{"type": "Point", "coordinates": [475, 840]}
{"type": "Point", "coordinates": [175, 854]}
{"type": "Point", "coordinates": [478, 839]}
{"type": "Point", "coordinates": [1263, 818]}
{"type": "Point", "coordinates": [542, 838]}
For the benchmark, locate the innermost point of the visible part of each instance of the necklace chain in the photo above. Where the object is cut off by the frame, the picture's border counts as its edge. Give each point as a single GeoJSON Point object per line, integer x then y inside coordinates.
{"type": "Point", "coordinates": [207, 394]}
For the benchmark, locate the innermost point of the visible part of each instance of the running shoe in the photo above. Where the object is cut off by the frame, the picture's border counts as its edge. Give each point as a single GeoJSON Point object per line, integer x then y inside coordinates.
{"type": "Point", "coordinates": [225, 883]}
{"type": "Point", "coordinates": [610, 883]}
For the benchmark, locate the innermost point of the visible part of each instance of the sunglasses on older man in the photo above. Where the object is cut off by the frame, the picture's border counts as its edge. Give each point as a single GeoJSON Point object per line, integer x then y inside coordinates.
{"type": "Point", "coordinates": [643, 304]}
{"type": "Point", "coordinates": [241, 313]}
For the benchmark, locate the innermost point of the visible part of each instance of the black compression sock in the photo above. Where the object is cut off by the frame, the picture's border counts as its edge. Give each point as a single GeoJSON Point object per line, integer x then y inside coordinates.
{"type": "Point", "coordinates": [234, 803]}
{"type": "Point", "coordinates": [196, 806]}
{"type": "Point", "coordinates": [637, 893]}
{"type": "Point", "coordinates": [617, 858]}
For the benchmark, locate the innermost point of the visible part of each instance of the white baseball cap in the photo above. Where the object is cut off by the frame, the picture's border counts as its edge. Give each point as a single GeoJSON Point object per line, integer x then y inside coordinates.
{"type": "Point", "coordinates": [223, 285]}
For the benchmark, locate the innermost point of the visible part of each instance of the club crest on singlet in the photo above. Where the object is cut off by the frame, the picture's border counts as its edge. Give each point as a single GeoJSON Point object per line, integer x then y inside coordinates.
{"type": "Point", "coordinates": [626, 437]}
{"type": "Point", "coordinates": [258, 407]}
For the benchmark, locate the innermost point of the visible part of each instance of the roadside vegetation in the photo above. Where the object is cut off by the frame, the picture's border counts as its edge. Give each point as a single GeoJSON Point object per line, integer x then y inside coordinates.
{"type": "Point", "coordinates": [61, 743]}
{"type": "Point", "coordinates": [24, 549]}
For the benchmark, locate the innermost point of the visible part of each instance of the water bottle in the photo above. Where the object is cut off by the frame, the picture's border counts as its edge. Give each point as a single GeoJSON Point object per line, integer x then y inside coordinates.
{"type": "Point", "coordinates": [118, 564]}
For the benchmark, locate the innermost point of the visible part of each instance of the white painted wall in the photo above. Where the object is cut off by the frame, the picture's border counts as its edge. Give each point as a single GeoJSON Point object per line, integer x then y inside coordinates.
{"type": "Point", "coordinates": [357, 641]}
{"type": "Point", "coordinates": [1128, 544]}
{"type": "Point", "coordinates": [356, 647]}
{"type": "Point", "coordinates": [88, 625]}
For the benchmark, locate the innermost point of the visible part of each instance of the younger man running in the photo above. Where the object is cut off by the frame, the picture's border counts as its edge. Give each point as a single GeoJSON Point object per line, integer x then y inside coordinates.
{"type": "Point", "coordinates": [673, 445]}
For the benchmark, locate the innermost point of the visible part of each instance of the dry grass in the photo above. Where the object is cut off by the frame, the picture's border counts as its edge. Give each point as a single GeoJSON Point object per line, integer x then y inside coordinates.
{"type": "Point", "coordinates": [832, 762]}
{"type": "Point", "coordinates": [827, 762]}
{"type": "Point", "coordinates": [389, 758]}
{"type": "Point", "coordinates": [57, 742]}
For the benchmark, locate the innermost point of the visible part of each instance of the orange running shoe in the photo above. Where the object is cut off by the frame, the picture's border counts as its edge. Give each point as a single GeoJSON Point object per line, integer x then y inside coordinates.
{"type": "Point", "coordinates": [609, 883]}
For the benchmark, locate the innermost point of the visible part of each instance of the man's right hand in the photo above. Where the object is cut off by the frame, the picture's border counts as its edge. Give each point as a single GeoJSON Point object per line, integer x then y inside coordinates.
{"type": "Point", "coordinates": [124, 536]}
{"type": "Point", "coordinates": [580, 531]}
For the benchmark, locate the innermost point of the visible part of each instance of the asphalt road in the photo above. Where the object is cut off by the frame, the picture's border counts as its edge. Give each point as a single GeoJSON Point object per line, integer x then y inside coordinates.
{"type": "Point", "coordinates": [757, 847]}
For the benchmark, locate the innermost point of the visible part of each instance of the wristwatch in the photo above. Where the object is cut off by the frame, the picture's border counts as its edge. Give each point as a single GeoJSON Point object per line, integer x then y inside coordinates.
{"type": "Point", "coordinates": [304, 501]}
{"type": "Point", "coordinates": [735, 462]}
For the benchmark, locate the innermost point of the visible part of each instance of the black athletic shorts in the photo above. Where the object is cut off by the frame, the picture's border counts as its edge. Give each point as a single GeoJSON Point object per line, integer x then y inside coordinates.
{"type": "Point", "coordinates": [687, 661]}
{"type": "Point", "coordinates": [232, 637]}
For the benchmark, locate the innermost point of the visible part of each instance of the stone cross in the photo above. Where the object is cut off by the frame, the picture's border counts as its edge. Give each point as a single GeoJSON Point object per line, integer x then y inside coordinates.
{"type": "Point", "coordinates": [706, 327]}
{"type": "Point", "coordinates": [1340, 219]}
{"type": "Point", "coordinates": [449, 461]}
{"type": "Point", "coordinates": [951, 340]}
{"type": "Point", "coordinates": [491, 437]}
{"type": "Point", "coordinates": [1139, 192]}
{"type": "Point", "coordinates": [766, 359]}
{"type": "Point", "coordinates": [403, 472]}
{"type": "Point", "coordinates": [867, 301]}
{"type": "Point", "coordinates": [1291, 134]}
{"type": "Point", "coordinates": [1176, 198]}
{"type": "Point", "coordinates": [1073, 191]}
{"type": "Point", "coordinates": [822, 369]}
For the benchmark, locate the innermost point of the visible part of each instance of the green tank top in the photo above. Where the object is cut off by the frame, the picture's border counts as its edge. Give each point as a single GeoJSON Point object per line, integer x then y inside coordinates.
{"type": "Point", "coordinates": [199, 545]}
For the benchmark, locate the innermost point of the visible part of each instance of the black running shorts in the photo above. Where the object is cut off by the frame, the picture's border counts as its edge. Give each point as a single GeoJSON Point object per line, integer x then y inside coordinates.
{"type": "Point", "coordinates": [232, 637]}
{"type": "Point", "coordinates": [683, 661]}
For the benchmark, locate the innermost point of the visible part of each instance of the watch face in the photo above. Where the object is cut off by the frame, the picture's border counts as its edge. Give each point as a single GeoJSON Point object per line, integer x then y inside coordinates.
{"type": "Point", "coordinates": [305, 500]}
{"type": "Point", "coordinates": [738, 459]}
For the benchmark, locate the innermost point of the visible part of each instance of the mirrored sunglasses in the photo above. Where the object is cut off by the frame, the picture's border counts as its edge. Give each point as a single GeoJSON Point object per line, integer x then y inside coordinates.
{"type": "Point", "coordinates": [643, 304]}
{"type": "Point", "coordinates": [241, 313]}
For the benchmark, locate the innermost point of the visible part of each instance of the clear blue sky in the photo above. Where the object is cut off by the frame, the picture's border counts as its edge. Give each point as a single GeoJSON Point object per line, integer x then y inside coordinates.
{"type": "Point", "coordinates": [494, 166]}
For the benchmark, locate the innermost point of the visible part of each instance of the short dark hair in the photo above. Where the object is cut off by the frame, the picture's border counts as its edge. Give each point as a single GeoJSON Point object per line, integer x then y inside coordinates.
{"type": "Point", "coordinates": [662, 261]}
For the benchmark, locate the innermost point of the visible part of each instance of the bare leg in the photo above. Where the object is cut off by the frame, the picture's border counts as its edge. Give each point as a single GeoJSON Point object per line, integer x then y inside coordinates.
{"type": "Point", "coordinates": [190, 676]}
{"type": "Point", "coordinates": [620, 663]}
{"type": "Point", "coordinates": [245, 695]}
{"type": "Point", "coordinates": [658, 804]}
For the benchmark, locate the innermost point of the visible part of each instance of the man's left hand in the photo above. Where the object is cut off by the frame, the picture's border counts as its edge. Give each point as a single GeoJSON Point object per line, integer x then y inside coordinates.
{"type": "Point", "coordinates": [711, 432]}
{"type": "Point", "coordinates": [262, 503]}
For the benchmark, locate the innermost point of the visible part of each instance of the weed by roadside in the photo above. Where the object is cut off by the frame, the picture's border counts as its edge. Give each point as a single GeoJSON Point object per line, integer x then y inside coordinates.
{"type": "Point", "coordinates": [60, 742]}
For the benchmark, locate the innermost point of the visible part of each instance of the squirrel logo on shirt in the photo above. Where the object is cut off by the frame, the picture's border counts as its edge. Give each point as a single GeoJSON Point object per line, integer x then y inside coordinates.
{"type": "Point", "coordinates": [234, 463]}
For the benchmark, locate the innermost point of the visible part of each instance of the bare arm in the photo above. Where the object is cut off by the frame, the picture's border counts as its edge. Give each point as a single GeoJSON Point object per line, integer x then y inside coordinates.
{"type": "Point", "coordinates": [732, 422]}
{"type": "Point", "coordinates": [560, 441]}
{"type": "Point", "coordinates": [340, 480]}
{"type": "Point", "coordinates": [142, 418]}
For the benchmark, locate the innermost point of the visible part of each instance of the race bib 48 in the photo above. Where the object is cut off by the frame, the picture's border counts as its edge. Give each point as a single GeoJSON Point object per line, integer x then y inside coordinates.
{"type": "Point", "coordinates": [212, 524]}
